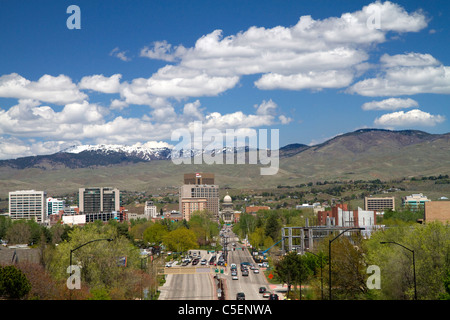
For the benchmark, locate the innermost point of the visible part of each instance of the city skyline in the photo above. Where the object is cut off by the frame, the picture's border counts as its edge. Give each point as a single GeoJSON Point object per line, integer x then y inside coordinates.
{"type": "Point", "coordinates": [133, 74]}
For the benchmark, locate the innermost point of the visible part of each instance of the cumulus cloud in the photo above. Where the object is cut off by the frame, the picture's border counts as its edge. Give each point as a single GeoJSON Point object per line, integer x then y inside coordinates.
{"type": "Point", "coordinates": [101, 83]}
{"type": "Point", "coordinates": [414, 117]}
{"type": "Point", "coordinates": [313, 54]}
{"type": "Point", "coordinates": [406, 74]}
{"type": "Point", "coordinates": [390, 104]}
{"type": "Point", "coordinates": [59, 90]}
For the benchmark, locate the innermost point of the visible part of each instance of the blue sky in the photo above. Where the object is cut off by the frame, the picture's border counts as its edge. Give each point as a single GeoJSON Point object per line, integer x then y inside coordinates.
{"type": "Point", "coordinates": [138, 70]}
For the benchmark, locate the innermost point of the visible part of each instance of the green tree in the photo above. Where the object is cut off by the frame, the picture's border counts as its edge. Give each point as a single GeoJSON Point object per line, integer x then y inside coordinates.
{"type": "Point", "coordinates": [13, 283]}
{"type": "Point", "coordinates": [272, 227]}
{"type": "Point", "coordinates": [99, 260]}
{"type": "Point", "coordinates": [155, 234]}
{"type": "Point", "coordinates": [180, 240]}
{"type": "Point", "coordinates": [431, 245]}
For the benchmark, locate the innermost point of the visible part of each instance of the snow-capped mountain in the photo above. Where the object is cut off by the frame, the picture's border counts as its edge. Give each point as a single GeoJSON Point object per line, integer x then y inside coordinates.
{"type": "Point", "coordinates": [143, 152]}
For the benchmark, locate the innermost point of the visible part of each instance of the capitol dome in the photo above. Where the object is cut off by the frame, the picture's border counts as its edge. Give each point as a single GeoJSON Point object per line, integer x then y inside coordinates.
{"type": "Point", "coordinates": [227, 199]}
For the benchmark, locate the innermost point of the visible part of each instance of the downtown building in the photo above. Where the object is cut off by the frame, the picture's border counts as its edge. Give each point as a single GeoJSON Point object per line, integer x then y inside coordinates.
{"type": "Point", "coordinates": [98, 200]}
{"type": "Point", "coordinates": [28, 205]}
{"type": "Point", "coordinates": [379, 204]}
{"type": "Point", "coordinates": [199, 193]}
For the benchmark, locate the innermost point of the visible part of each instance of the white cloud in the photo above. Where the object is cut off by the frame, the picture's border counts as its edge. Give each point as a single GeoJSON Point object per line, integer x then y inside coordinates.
{"type": "Point", "coordinates": [101, 83]}
{"type": "Point", "coordinates": [310, 80]}
{"type": "Point", "coordinates": [411, 59]}
{"type": "Point", "coordinates": [162, 50]}
{"type": "Point", "coordinates": [122, 55]}
{"type": "Point", "coordinates": [414, 117]}
{"type": "Point", "coordinates": [390, 104]}
{"type": "Point", "coordinates": [58, 90]}
{"type": "Point", "coordinates": [407, 74]}
{"type": "Point", "coordinates": [313, 54]}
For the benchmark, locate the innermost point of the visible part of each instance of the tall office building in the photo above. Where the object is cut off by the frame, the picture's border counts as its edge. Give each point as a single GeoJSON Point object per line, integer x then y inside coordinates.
{"type": "Point", "coordinates": [379, 204]}
{"type": "Point", "coordinates": [199, 178]}
{"type": "Point", "coordinates": [98, 200]}
{"type": "Point", "coordinates": [54, 205]}
{"type": "Point", "coordinates": [200, 186]}
{"type": "Point", "coordinates": [27, 204]}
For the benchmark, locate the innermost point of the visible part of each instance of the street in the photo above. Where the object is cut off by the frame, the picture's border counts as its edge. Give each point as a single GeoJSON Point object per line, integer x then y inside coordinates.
{"type": "Point", "coordinates": [198, 283]}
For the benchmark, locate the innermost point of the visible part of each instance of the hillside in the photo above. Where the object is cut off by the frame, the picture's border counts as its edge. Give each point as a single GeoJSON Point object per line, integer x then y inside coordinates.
{"type": "Point", "coordinates": [361, 155]}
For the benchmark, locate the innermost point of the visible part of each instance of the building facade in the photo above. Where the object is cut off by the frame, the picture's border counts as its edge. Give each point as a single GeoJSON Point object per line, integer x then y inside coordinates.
{"type": "Point", "coordinates": [379, 204]}
{"type": "Point", "coordinates": [437, 211]}
{"type": "Point", "coordinates": [202, 188]}
{"type": "Point", "coordinates": [28, 205]}
{"type": "Point", "coordinates": [54, 206]}
{"type": "Point", "coordinates": [415, 202]}
{"type": "Point", "coordinates": [227, 213]}
{"type": "Point", "coordinates": [190, 205]}
{"type": "Point", "coordinates": [339, 215]}
{"type": "Point", "coordinates": [96, 200]}
{"type": "Point", "coordinates": [150, 210]}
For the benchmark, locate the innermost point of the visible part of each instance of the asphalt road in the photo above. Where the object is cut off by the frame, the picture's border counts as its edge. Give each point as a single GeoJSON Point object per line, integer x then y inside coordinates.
{"type": "Point", "coordinates": [200, 286]}
{"type": "Point", "coordinates": [250, 284]}
{"type": "Point", "coordinates": [187, 287]}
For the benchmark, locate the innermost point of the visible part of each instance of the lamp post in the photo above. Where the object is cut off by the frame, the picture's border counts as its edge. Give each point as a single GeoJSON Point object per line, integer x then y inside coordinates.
{"type": "Point", "coordinates": [72, 250]}
{"type": "Point", "coordinates": [414, 263]}
{"type": "Point", "coordinates": [329, 256]}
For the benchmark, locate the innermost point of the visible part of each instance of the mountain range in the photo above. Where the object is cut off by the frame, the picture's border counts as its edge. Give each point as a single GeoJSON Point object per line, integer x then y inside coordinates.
{"type": "Point", "coordinates": [363, 154]}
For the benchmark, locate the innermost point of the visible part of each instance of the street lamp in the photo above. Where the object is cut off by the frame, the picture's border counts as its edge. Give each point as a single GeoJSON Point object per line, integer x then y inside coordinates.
{"type": "Point", "coordinates": [414, 263]}
{"type": "Point", "coordinates": [72, 250]}
{"type": "Point", "coordinates": [329, 256]}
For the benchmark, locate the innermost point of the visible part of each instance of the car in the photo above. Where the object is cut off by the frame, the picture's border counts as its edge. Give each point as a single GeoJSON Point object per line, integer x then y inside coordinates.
{"type": "Point", "coordinates": [240, 296]}
{"type": "Point", "coordinates": [255, 270]}
{"type": "Point", "coordinates": [245, 273]}
{"type": "Point", "coordinates": [235, 277]}
{"type": "Point", "coordinates": [266, 295]}
{"type": "Point", "coordinates": [262, 289]}
{"type": "Point", "coordinates": [168, 264]}
{"type": "Point", "coordinates": [273, 296]}
{"type": "Point", "coordinates": [203, 262]}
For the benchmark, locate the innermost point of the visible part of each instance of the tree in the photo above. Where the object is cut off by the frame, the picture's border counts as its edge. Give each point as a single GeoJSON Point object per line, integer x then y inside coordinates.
{"type": "Point", "coordinates": [19, 232]}
{"type": "Point", "coordinates": [272, 227]}
{"type": "Point", "coordinates": [180, 240]}
{"type": "Point", "coordinates": [13, 283]}
{"type": "Point", "coordinates": [431, 244]}
{"type": "Point", "coordinates": [99, 260]}
{"type": "Point", "coordinates": [155, 234]}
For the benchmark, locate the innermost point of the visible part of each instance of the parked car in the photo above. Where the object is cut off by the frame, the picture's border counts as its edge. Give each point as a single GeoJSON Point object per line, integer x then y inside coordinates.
{"type": "Point", "coordinates": [240, 296]}
{"type": "Point", "coordinates": [266, 294]}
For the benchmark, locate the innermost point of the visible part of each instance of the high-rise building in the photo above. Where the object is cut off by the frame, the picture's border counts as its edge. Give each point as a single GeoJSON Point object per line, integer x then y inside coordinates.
{"type": "Point", "coordinates": [54, 205]}
{"type": "Point", "coordinates": [379, 204]}
{"type": "Point", "coordinates": [27, 204]}
{"type": "Point", "coordinates": [199, 178]}
{"type": "Point", "coordinates": [190, 205]}
{"type": "Point", "coordinates": [200, 186]}
{"type": "Point", "coordinates": [98, 200]}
